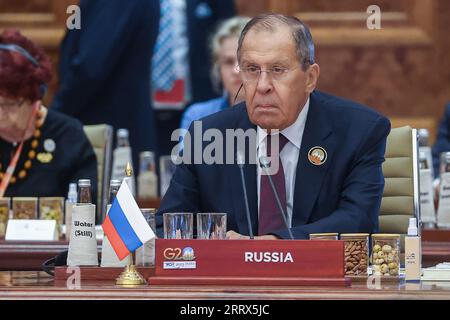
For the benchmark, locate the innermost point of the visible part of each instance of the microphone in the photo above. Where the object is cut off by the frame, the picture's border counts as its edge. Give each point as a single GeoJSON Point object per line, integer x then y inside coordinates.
{"type": "Point", "coordinates": [264, 163]}
{"type": "Point", "coordinates": [240, 163]}
{"type": "Point", "coordinates": [237, 93]}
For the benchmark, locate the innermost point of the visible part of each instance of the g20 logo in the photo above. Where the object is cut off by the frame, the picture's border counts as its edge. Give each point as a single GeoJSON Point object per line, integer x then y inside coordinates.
{"type": "Point", "coordinates": [178, 254]}
{"type": "Point", "coordinates": [172, 253]}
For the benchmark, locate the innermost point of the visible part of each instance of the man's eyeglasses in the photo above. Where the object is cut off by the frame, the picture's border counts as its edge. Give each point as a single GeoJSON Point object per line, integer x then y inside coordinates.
{"type": "Point", "coordinates": [252, 73]}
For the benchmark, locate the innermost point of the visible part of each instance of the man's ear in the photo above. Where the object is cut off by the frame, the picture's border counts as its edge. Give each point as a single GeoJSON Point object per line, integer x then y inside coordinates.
{"type": "Point", "coordinates": [312, 76]}
{"type": "Point", "coordinates": [36, 104]}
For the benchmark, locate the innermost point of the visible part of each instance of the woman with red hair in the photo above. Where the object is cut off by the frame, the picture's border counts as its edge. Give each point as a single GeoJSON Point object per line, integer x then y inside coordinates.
{"type": "Point", "coordinates": [41, 151]}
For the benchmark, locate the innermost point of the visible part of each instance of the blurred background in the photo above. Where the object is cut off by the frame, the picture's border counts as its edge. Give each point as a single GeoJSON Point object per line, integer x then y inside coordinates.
{"type": "Point", "coordinates": [402, 70]}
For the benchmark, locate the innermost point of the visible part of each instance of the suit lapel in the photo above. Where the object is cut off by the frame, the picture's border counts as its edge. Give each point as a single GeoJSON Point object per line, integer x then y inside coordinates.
{"type": "Point", "coordinates": [250, 182]}
{"type": "Point", "coordinates": [309, 177]}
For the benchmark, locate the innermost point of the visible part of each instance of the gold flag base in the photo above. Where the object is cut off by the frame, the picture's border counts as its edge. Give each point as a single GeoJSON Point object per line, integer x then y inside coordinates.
{"type": "Point", "coordinates": [130, 277]}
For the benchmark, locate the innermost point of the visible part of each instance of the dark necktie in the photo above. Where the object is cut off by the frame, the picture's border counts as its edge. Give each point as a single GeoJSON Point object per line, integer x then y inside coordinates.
{"type": "Point", "coordinates": [270, 217]}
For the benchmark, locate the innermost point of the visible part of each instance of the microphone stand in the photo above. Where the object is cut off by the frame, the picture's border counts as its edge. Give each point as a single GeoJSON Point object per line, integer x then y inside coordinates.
{"type": "Point", "coordinates": [240, 162]}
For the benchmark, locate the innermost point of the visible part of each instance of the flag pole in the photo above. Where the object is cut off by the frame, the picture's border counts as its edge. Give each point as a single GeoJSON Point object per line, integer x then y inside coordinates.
{"type": "Point", "coordinates": [130, 276]}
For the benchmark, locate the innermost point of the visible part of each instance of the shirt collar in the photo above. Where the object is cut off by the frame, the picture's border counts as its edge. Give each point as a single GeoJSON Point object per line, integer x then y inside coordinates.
{"type": "Point", "coordinates": [294, 132]}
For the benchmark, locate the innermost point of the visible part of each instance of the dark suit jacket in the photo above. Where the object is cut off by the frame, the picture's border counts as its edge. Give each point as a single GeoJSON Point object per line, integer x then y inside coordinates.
{"type": "Point", "coordinates": [342, 195]}
{"type": "Point", "coordinates": [202, 17]}
{"type": "Point", "coordinates": [105, 68]}
{"type": "Point", "coordinates": [201, 24]}
{"type": "Point", "coordinates": [442, 143]}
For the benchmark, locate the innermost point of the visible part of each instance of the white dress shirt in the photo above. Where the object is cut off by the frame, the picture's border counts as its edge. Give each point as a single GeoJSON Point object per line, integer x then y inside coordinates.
{"type": "Point", "coordinates": [288, 156]}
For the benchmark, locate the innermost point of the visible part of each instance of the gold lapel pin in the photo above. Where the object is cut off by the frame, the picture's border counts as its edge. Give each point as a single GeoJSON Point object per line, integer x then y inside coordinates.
{"type": "Point", "coordinates": [317, 156]}
{"type": "Point", "coordinates": [45, 157]}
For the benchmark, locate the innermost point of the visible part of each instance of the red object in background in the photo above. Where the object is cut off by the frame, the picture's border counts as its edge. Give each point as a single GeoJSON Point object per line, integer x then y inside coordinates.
{"type": "Point", "coordinates": [174, 96]}
{"type": "Point", "coordinates": [249, 262]}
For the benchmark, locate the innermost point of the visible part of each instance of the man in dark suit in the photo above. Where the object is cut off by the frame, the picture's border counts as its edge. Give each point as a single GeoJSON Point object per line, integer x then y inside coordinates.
{"type": "Point", "coordinates": [201, 19]}
{"type": "Point", "coordinates": [442, 143]}
{"type": "Point", "coordinates": [104, 69]}
{"type": "Point", "coordinates": [329, 177]}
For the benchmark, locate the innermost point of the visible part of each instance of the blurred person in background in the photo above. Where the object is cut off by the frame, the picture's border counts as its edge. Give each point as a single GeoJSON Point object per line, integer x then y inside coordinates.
{"type": "Point", "coordinates": [442, 143]}
{"type": "Point", "coordinates": [182, 62]}
{"type": "Point", "coordinates": [44, 150]}
{"type": "Point", "coordinates": [104, 69]}
{"type": "Point", "coordinates": [225, 75]}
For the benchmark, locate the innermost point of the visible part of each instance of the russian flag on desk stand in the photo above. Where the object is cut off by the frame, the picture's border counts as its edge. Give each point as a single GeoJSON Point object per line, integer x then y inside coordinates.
{"type": "Point", "coordinates": [125, 226]}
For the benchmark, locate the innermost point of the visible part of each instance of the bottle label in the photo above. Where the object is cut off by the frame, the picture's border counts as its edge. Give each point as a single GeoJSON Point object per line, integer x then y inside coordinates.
{"type": "Point", "coordinates": [427, 151]}
{"type": "Point", "coordinates": [426, 196]}
{"type": "Point", "coordinates": [443, 216]}
{"type": "Point", "coordinates": [147, 185]}
{"type": "Point", "coordinates": [121, 157]}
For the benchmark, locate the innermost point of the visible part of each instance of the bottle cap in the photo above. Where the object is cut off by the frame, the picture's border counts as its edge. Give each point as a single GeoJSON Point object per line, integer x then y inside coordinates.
{"type": "Point", "coordinates": [422, 155]}
{"type": "Point", "coordinates": [122, 133]}
{"type": "Point", "coordinates": [84, 183]}
{"type": "Point", "coordinates": [445, 157]}
{"type": "Point", "coordinates": [412, 229]}
{"type": "Point", "coordinates": [114, 183]}
{"type": "Point", "coordinates": [424, 132]}
{"type": "Point", "coordinates": [147, 154]}
{"type": "Point", "coordinates": [424, 135]}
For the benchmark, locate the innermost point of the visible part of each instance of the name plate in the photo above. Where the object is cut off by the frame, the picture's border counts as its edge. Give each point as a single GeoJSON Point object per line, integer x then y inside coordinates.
{"type": "Point", "coordinates": [31, 230]}
{"type": "Point", "coordinates": [250, 259]}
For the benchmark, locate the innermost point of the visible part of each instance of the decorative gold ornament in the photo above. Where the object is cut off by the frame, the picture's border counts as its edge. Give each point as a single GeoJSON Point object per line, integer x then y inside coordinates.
{"type": "Point", "coordinates": [34, 143]}
{"type": "Point", "coordinates": [27, 164]}
{"type": "Point", "coordinates": [128, 170]}
{"type": "Point", "coordinates": [45, 157]}
{"type": "Point", "coordinates": [22, 174]}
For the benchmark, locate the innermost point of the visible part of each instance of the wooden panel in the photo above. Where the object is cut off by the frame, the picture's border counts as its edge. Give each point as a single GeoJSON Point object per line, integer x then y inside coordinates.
{"type": "Point", "coordinates": [389, 79]}
{"type": "Point", "coordinates": [149, 203]}
{"type": "Point", "coordinates": [291, 6]}
{"type": "Point", "coordinates": [99, 273]}
{"type": "Point", "coordinates": [30, 255]}
{"type": "Point", "coordinates": [402, 70]}
{"type": "Point", "coordinates": [425, 122]}
{"type": "Point", "coordinates": [250, 8]}
{"type": "Point", "coordinates": [436, 235]}
{"type": "Point", "coordinates": [25, 5]}
{"type": "Point", "coordinates": [249, 281]}
{"type": "Point", "coordinates": [59, 9]}
{"type": "Point", "coordinates": [362, 37]}
{"type": "Point", "coordinates": [347, 5]}
{"type": "Point", "coordinates": [435, 252]}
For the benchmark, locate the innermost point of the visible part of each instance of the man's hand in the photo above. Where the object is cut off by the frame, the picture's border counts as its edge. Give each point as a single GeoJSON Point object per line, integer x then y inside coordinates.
{"type": "Point", "coordinates": [232, 235]}
{"type": "Point", "coordinates": [267, 237]}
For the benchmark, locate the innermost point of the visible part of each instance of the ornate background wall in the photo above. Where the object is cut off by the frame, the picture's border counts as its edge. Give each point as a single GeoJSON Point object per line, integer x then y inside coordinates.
{"type": "Point", "coordinates": [402, 70]}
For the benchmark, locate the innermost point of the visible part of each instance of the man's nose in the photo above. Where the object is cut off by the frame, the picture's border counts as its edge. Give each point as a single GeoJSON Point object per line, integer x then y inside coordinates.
{"type": "Point", "coordinates": [264, 84]}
